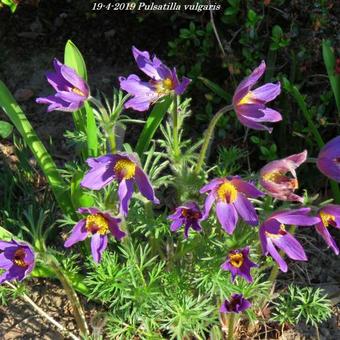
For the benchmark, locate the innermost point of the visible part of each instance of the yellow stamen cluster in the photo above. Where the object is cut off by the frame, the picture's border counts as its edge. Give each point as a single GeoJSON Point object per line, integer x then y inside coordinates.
{"type": "Point", "coordinates": [77, 91]}
{"type": "Point", "coordinates": [97, 223]}
{"type": "Point", "coordinates": [19, 257]}
{"type": "Point", "coordinates": [227, 192]}
{"type": "Point", "coordinates": [279, 178]}
{"type": "Point", "coordinates": [236, 259]}
{"type": "Point", "coordinates": [125, 168]}
{"type": "Point", "coordinates": [247, 99]}
{"type": "Point", "coordinates": [165, 86]}
{"type": "Point", "coordinates": [326, 219]}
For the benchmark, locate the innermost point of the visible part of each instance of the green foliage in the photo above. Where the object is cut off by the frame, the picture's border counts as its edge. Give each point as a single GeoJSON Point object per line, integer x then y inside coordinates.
{"type": "Point", "coordinates": [302, 304]}
{"type": "Point", "coordinates": [5, 129]}
{"type": "Point", "coordinates": [10, 3]}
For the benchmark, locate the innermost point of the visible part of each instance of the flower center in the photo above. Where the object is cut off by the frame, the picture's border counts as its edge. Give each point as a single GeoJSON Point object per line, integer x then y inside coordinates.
{"type": "Point", "coordinates": [77, 91]}
{"type": "Point", "coordinates": [164, 86]}
{"type": "Point", "coordinates": [97, 223]}
{"type": "Point", "coordinates": [247, 99]}
{"type": "Point", "coordinates": [227, 192]}
{"type": "Point", "coordinates": [236, 259]}
{"type": "Point", "coordinates": [125, 169]}
{"type": "Point", "coordinates": [190, 214]}
{"type": "Point", "coordinates": [280, 233]}
{"type": "Point", "coordinates": [19, 257]}
{"type": "Point", "coordinates": [279, 178]}
{"type": "Point", "coordinates": [327, 219]}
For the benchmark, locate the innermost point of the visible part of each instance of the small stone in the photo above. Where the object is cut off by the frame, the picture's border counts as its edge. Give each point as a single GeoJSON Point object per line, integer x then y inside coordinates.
{"type": "Point", "coordinates": [22, 95]}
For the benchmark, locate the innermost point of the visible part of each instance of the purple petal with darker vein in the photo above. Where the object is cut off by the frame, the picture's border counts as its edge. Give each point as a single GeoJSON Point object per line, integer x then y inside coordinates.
{"type": "Point", "coordinates": [88, 211]}
{"type": "Point", "coordinates": [254, 125]}
{"type": "Point", "coordinates": [182, 86]}
{"type": "Point", "coordinates": [227, 216]}
{"type": "Point", "coordinates": [267, 92]}
{"type": "Point", "coordinates": [176, 224]}
{"type": "Point", "coordinates": [98, 245]}
{"type": "Point", "coordinates": [276, 256]}
{"type": "Point", "coordinates": [78, 234]}
{"type": "Point", "coordinates": [145, 186]}
{"type": "Point", "coordinates": [246, 210]}
{"type": "Point", "coordinates": [145, 64]}
{"type": "Point", "coordinates": [114, 227]}
{"type": "Point", "coordinates": [72, 77]}
{"type": "Point", "coordinates": [291, 247]}
{"type": "Point", "coordinates": [125, 191]}
{"type": "Point", "coordinates": [329, 167]}
{"type": "Point", "coordinates": [209, 201]}
{"type": "Point", "coordinates": [247, 188]}
{"type": "Point", "coordinates": [98, 177]}
{"type": "Point", "coordinates": [296, 219]}
{"type": "Point", "coordinates": [5, 263]}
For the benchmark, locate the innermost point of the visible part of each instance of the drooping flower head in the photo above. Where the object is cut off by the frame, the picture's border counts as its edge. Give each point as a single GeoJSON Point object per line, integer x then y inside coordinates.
{"type": "Point", "coordinates": [273, 234]}
{"type": "Point", "coordinates": [123, 168]}
{"type": "Point", "coordinates": [273, 177]}
{"type": "Point", "coordinates": [97, 225]}
{"type": "Point", "coordinates": [17, 259]}
{"type": "Point", "coordinates": [236, 304]}
{"type": "Point", "coordinates": [71, 89]}
{"type": "Point", "coordinates": [250, 105]}
{"type": "Point", "coordinates": [231, 197]}
{"type": "Point", "coordinates": [163, 82]}
{"type": "Point", "coordinates": [328, 161]}
{"type": "Point", "coordinates": [238, 263]}
{"type": "Point", "coordinates": [189, 215]}
{"type": "Point", "coordinates": [330, 217]}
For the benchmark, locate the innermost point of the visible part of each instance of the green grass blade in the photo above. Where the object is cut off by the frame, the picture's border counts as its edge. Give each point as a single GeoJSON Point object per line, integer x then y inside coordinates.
{"type": "Point", "coordinates": [45, 161]}
{"type": "Point", "coordinates": [80, 198]}
{"type": "Point", "coordinates": [152, 124]}
{"type": "Point", "coordinates": [329, 60]}
{"type": "Point", "coordinates": [74, 59]}
{"type": "Point", "coordinates": [91, 132]}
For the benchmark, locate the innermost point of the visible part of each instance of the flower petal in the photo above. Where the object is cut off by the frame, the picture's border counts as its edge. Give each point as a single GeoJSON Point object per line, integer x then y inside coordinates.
{"type": "Point", "coordinates": [145, 186]}
{"type": "Point", "coordinates": [227, 216]}
{"type": "Point", "coordinates": [98, 245]}
{"type": "Point", "coordinates": [276, 256]}
{"type": "Point", "coordinates": [78, 233]}
{"type": "Point", "coordinates": [267, 92]}
{"type": "Point", "coordinates": [125, 191]}
{"type": "Point", "coordinates": [246, 210]}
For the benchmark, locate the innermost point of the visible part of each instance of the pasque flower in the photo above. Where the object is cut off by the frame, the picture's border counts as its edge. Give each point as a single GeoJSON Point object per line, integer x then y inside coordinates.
{"type": "Point", "coordinates": [238, 263]}
{"type": "Point", "coordinates": [163, 82]}
{"type": "Point", "coordinates": [330, 217]}
{"type": "Point", "coordinates": [189, 215]}
{"type": "Point", "coordinates": [236, 304]}
{"type": "Point", "coordinates": [273, 234]}
{"type": "Point", "coordinates": [273, 177]}
{"type": "Point", "coordinates": [123, 168]}
{"type": "Point", "coordinates": [17, 259]}
{"type": "Point", "coordinates": [328, 161]}
{"type": "Point", "coordinates": [250, 105]}
{"type": "Point", "coordinates": [231, 197]}
{"type": "Point", "coordinates": [71, 89]}
{"type": "Point", "coordinates": [97, 225]}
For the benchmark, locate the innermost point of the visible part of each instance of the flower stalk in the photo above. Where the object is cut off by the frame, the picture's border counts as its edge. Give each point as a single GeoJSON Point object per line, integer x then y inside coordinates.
{"type": "Point", "coordinates": [177, 150]}
{"type": "Point", "coordinates": [208, 135]}
{"type": "Point", "coordinates": [231, 322]}
{"type": "Point", "coordinates": [108, 126]}
{"type": "Point", "coordinates": [78, 311]}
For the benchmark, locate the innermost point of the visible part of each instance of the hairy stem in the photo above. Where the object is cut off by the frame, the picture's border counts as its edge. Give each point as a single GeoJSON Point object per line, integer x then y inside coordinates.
{"type": "Point", "coordinates": [208, 135]}
{"type": "Point", "coordinates": [59, 326]}
{"type": "Point", "coordinates": [231, 322]}
{"type": "Point", "coordinates": [78, 311]}
{"type": "Point", "coordinates": [175, 126]}
{"type": "Point", "coordinates": [107, 126]}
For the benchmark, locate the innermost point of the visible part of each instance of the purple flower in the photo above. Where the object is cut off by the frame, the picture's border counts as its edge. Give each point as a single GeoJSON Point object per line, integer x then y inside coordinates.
{"type": "Point", "coordinates": [163, 82]}
{"type": "Point", "coordinates": [71, 89]}
{"type": "Point", "coordinates": [273, 233]}
{"type": "Point", "coordinates": [188, 214]}
{"type": "Point", "coordinates": [17, 259]}
{"type": "Point", "coordinates": [97, 225]}
{"type": "Point", "coordinates": [236, 304]}
{"type": "Point", "coordinates": [238, 263]}
{"type": "Point", "coordinates": [328, 161]}
{"type": "Point", "coordinates": [250, 105]}
{"type": "Point", "coordinates": [126, 170]}
{"type": "Point", "coordinates": [273, 177]}
{"type": "Point", "coordinates": [330, 217]}
{"type": "Point", "coordinates": [230, 195]}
